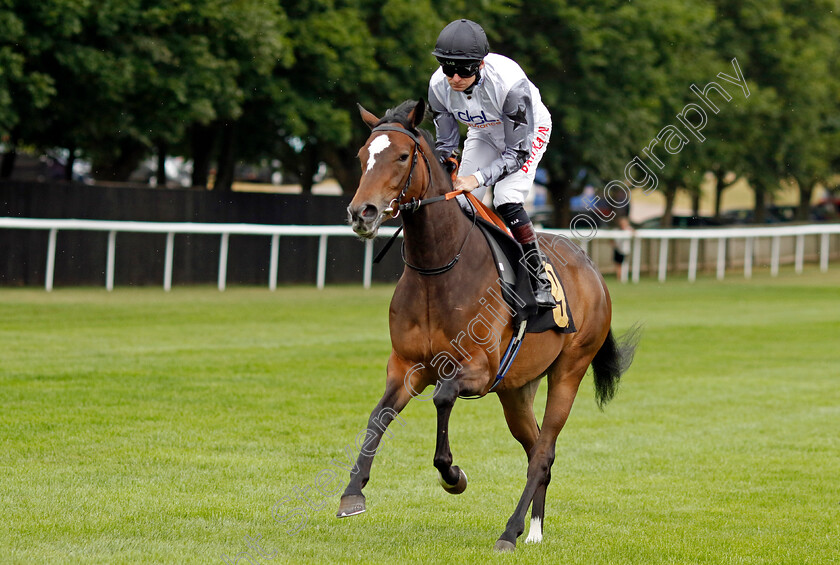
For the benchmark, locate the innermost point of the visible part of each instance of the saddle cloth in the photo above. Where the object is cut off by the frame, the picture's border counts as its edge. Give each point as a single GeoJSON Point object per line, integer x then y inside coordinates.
{"type": "Point", "coordinates": [516, 284]}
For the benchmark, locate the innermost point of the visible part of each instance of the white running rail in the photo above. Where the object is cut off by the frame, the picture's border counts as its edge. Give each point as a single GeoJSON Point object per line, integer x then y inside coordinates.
{"type": "Point", "coordinates": [749, 234]}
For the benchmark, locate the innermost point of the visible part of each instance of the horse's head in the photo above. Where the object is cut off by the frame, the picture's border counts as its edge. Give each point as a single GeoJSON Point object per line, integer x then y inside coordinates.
{"type": "Point", "coordinates": [393, 167]}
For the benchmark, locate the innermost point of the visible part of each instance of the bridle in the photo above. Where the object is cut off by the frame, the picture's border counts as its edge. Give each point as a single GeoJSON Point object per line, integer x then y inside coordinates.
{"type": "Point", "coordinates": [412, 206]}
{"type": "Point", "coordinates": [415, 203]}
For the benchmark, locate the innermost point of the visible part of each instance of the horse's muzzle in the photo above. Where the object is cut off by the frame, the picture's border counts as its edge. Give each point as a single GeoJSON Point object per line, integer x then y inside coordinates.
{"type": "Point", "coordinates": [365, 219]}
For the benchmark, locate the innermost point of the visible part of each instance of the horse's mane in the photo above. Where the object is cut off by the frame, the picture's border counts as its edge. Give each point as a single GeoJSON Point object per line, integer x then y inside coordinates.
{"type": "Point", "coordinates": [400, 116]}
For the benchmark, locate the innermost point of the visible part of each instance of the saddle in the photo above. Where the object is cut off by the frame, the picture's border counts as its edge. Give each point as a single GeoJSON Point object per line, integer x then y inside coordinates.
{"type": "Point", "coordinates": [514, 278]}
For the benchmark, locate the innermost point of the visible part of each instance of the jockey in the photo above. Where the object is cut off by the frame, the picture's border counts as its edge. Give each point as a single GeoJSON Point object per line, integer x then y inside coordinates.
{"type": "Point", "coordinates": [508, 131]}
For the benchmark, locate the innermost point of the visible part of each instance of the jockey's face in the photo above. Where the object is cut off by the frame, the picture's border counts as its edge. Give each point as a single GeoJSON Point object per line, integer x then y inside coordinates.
{"type": "Point", "coordinates": [459, 83]}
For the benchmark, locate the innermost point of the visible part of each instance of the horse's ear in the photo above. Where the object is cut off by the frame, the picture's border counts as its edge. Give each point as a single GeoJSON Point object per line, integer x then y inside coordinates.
{"type": "Point", "coordinates": [367, 117]}
{"type": "Point", "coordinates": [415, 117]}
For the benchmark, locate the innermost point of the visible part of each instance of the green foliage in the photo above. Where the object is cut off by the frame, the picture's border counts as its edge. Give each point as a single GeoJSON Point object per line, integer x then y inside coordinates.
{"type": "Point", "coordinates": [131, 74]}
{"type": "Point", "coordinates": [21, 88]}
{"type": "Point", "coordinates": [790, 52]}
{"type": "Point", "coordinates": [119, 79]}
{"type": "Point", "coordinates": [611, 73]}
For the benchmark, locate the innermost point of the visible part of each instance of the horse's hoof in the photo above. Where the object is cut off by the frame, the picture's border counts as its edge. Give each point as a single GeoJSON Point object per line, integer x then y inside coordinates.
{"type": "Point", "coordinates": [504, 546]}
{"type": "Point", "coordinates": [457, 488]}
{"type": "Point", "coordinates": [351, 505]}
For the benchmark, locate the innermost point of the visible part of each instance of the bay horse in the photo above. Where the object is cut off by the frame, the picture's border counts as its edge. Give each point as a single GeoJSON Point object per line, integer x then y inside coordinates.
{"type": "Point", "coordinates": [446, 327]}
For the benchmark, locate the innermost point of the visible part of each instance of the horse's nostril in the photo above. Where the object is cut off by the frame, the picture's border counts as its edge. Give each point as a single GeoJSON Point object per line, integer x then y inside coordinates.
{"type": "Point", "coordinates": [370, 211]}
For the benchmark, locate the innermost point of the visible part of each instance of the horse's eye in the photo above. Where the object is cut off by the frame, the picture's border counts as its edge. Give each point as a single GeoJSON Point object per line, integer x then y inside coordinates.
{"type": "Point", "coordinates": [404, 157]}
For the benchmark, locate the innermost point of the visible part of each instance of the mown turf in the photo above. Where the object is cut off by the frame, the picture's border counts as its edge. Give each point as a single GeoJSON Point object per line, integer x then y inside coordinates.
{"type": "Point", "coordinates": [145, 427]}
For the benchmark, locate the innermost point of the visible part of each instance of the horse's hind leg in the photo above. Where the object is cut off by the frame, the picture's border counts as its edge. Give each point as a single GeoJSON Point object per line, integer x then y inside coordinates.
{"type": "Point", "coordinates": [452, 478]}
{"type": "Point", "coordinates": [518, 405]}
{"type": "Point", "coordinates": [563, 381]}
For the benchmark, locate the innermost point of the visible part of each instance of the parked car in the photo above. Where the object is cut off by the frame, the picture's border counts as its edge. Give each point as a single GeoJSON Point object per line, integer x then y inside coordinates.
{"type": "Point", "coordinates": [827, 209]}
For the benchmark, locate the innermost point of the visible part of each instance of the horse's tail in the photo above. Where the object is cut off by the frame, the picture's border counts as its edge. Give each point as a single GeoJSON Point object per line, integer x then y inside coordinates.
{"type": "Point", "coordinates": [611, 361]}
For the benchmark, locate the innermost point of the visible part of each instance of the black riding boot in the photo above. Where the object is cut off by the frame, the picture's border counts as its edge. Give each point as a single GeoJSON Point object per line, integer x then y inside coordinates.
{"type": "Point", "coordinates": [514, 215]}
{"type": "Point", "coordinates": [539, 279]}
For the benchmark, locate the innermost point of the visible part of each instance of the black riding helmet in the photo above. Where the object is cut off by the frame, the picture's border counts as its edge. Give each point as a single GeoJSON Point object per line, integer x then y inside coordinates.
{"type": "Point", "coordinates": [462, 40]}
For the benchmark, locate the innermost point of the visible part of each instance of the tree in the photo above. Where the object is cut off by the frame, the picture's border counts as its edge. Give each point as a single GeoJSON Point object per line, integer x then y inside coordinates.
{"type": "Point", "coordinates": [373, 53]}
{"type": "Point", "coordinates": [123, 79]}
{"type": "Point", "coordinates": [787, 46]}
{"type": "Point", "coordinates": [249, 38]}
{"type": "Point", "coordinates": [25, 89]}
{"type": "Point", "coordinates": [600, 69]}
{"type": "Point", "coordinates": [811, 89]}
{"type": "Point", "coordinates": [221, 81]}
{"type": "Point", "coordinates": [685, 56]}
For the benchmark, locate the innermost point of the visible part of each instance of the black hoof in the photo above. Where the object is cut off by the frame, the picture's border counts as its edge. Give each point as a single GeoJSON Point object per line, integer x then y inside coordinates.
{"type": "Point", "coordinates": [504, 546]}
{"type": "Point", "coordinates": [457, 488]}
{"type": "Point", "coordinates": [351, 505]}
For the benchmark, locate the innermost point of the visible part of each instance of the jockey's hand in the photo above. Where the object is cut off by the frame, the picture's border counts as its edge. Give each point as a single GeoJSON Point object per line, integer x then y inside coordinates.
{"type": "Point", "coordinates": [467, 184]}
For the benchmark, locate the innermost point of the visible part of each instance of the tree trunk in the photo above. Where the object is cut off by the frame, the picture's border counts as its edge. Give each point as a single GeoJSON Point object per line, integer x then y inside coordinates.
{"type": "Point", "coordinates": [760, 209]}
{"type": "Point", "coordinates": [8, 164]}
{"type": "Point", "coordinates": [720, 186]}
{"type": "Point", "coordinates": [718, 199]}
{"type": "Point", "coordinates": [345, 166]}
{"type": "Point", "coordinates": [695, 203]}
{"type": "Point", "coordinates": [227, 158]}
{"type": "Point", "coordinates": [561, 195]}
{"type": "Point", "coordinates": [806, 191]}
{"type": "Point", "coordinates": [130, 153]}
{"type": "Point", "coordinates": [308, 166]}
{"type": "Point", "coordinates": [160, 174]}
{"type": "Point", "coordinates": [561, 178]}
{"type": "Point", "coordinates": [203, 140]}
{"type": "Point", "coordinates": [670, 193]}
{"type": "Point", "coordinates": [71, 161]}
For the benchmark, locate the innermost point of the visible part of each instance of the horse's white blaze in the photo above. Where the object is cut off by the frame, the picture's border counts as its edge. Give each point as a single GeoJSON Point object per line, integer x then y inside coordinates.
{"type": "Point", "coordinates": [535, 532]}
{"type": "Point", "coordinates": [376, 146]}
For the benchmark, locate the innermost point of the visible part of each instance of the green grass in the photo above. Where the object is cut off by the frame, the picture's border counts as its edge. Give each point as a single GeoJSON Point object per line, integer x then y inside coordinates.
{"type": "Point", "coordinates": [145, 427]}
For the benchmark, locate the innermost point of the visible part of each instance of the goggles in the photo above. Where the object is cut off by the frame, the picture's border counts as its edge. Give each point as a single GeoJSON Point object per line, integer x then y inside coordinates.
{"type": "Point", "coordinates": [463, 69]}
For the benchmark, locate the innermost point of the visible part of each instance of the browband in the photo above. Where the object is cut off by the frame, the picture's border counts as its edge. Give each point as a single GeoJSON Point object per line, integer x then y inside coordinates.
{"type": "Point", "coordinates": [386, 127]}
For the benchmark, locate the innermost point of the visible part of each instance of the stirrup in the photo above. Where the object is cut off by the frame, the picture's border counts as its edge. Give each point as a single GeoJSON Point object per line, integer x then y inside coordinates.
{"type": "Point", "coordinates": [540, 284]}
{"type": "Point", "coordinates": [542, 294]}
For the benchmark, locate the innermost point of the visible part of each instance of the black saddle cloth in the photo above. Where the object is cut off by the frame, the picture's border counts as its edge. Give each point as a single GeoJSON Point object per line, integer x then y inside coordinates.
{"type": "Point", "coordinates": [516, 284]}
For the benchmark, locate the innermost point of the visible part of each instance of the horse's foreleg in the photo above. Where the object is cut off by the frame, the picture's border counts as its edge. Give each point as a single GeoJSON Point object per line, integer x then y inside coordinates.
{"type": "Point", "coordinates": [387, 410]}
{"type": "Point", "coordinates": [452, 478]}
{"type": "Point", "coordinates": [562, 388]}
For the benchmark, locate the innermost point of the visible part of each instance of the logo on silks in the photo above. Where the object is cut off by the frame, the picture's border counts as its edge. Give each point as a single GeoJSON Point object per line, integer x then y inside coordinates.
{"type": "Point", "coordinates": [536, 146]}
{"type": "Point", "coordinates": [477, 120]}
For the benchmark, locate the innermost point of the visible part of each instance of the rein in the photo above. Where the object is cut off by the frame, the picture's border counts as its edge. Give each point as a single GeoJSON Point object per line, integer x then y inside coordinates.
{"type": "Point", "coordinates": [414, 204]}
{"type": "Point", "coordinates": [438, 270]}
